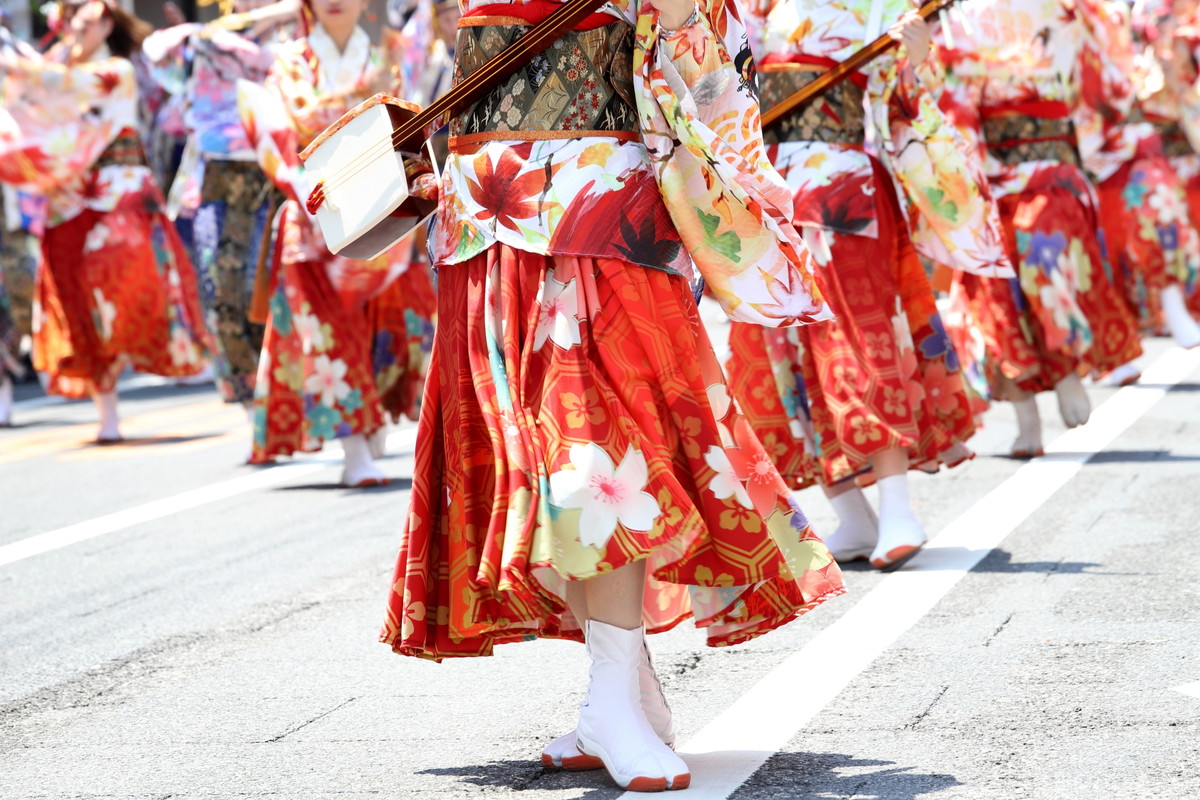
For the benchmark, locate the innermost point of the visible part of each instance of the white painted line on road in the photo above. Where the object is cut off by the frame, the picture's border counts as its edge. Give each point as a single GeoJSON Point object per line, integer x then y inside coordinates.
{"type": "Point", "coordinates": [1190, 689]}
{"type": "Point", "coordinates": [731, 748]}
{"type": "Point", "coordinates": [184, 501]}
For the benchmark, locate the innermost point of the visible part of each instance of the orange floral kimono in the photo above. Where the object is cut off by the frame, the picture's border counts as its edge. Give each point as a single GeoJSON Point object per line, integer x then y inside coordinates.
{"type": "Point", "coordinates": [883, 375]}
{"type": "Point", "coordinates": [576, 419]}
{"type": "Point", "coordinates": [347, 341]}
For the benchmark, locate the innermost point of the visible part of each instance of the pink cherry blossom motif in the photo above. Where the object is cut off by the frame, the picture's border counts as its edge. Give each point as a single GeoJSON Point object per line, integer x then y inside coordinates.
{"type": "Point", "coordinates": [327, 381]}
{"type": "Point", "coordinates": [605, 496]}
{"type": "Point", "coordinates": [557, 321]}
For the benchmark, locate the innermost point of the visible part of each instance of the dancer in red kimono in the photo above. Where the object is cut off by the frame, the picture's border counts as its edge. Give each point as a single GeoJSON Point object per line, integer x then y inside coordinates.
{"type": "Point", "coordinates": [117, 288]}
{"type": "Point", "coordinates": [1167, 57]}
{"type": "Point", "coordinates": [346, 341]}
{"type": "Point", "coordinates": [581, 469]}
{"type": "Point", "coordinates": [1021, 69]}
{"type": "Point", "coordinates": [1154, 250]}
{"type": "Point", "coordinates": [878, 391]}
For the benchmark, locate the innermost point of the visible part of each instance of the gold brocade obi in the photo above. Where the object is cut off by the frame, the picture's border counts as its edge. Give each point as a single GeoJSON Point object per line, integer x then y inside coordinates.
{"type": "Point", "coordinates": [836, 117]}
{"type": "Point", "coordinates": [125, 151]}
{"type": "Point", "coordinates": [1016, 138]}
{"type": "Point", "coordinates": [582, 85]}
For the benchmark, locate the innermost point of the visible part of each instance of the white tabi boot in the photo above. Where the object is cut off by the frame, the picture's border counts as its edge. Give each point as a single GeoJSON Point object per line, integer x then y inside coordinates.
{"type": "Point", "coordinates": [858, 527]}
{"type": "Point", "coordinates": [612, 725]}
{"type": "Point", "coordinates": [1073, 402]}
{"type": "Point", "coordinates": [1028, 443]}
{"type": "Point", "coordinates": [110, 420]}
{"type": "Point", "coordinates": [1184, 329]}
{"type": "Point", "coordinates": [563, 752]}
{"type": "Point", "coordinates": [1124, 375]}
{"type": "Point", "coordinates": [900, 534]}
{"type": "Point", "coordinates": [360, 469]}
{"type": "Point", "coordinates": [377, 441]}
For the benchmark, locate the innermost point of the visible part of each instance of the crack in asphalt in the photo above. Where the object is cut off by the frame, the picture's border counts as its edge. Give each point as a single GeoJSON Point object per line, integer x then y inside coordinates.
{"type": "Point", "coordinates": [309, 721]}
{"type": "Point", "coordinates": [1008, 619]}
{"type": "Point", "coordinates": [912, 726]}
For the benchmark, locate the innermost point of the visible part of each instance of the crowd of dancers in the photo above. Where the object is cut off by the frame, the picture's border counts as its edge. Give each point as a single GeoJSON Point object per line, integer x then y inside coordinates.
{"type": "Point", "coordinates": [1006, 203]}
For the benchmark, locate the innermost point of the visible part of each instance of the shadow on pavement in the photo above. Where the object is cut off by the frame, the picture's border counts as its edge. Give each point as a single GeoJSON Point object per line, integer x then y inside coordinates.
{"type": "Point", "coordinates": [796, 775]}
{"type": "Point", "coordinates": [1001, 561]}
{"type": "Point", "coordinates": [784, 775]}
{"type": "Point", "coordinates": [528, 774]}
{"type": "Point", "coordinates": [396, 485]}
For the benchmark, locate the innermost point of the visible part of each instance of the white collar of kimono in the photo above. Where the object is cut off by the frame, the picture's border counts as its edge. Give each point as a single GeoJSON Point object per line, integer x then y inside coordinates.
{"type": "Point", "coordinates": [102, 54]}
{"type": "Point", "coordinates": [339, 70]}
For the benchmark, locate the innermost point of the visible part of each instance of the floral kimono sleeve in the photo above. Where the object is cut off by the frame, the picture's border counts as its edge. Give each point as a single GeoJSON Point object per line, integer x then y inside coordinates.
{"type": "Point", "coordinates": [60, 120]}
{"type": "Point", "coordinates": [956, 221]}
{"type": "Point", "coordinates": [270, 131]}
{"type": "Point", "coordinates": [166, 52]}
{"type": "Point", "coordinates": [700, 122]}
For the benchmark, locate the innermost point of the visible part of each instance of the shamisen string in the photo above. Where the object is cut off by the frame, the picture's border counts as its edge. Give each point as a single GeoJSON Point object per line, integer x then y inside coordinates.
{"type": "Point", "coordinates": [469, 90]}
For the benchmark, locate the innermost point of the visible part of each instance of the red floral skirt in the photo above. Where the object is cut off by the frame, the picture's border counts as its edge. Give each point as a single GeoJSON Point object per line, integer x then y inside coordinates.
{"type": "Point", "coordinates": [116, 289]}
{"type": "Point", "coordinates": [1151, 241]}
{"type": "Point", "coordinates": [1050, 230]}
{"type": "Point", "coordinates": [576, 421]}
{"type": "Point", "coordinates": [825, 398]}
{"type": "Point", "coordinates": [337, 363]}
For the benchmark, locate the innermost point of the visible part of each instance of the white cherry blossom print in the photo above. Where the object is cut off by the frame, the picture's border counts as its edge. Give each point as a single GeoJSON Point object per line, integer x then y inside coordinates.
{"type": "Point", "coordinates": [105, 312]}
{"type": "Point", "coordinates": [181, 348]}
{"type": "Point", "coordinates": [96, 239]}
{"type": "Point", "coordinates": [605, 496]}
{"type": "Point", "coordinates": [308, 326]}
{"type": "Point", "coordinates": [557, 320]}
{"type": "Point", "coordinates": [726, 483]}
{"type": "Point", "coordinates": [327, 381]}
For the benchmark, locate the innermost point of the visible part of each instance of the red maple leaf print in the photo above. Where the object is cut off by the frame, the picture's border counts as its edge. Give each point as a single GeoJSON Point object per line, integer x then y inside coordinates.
{"type": "Point", "coordinates": [502, 194]}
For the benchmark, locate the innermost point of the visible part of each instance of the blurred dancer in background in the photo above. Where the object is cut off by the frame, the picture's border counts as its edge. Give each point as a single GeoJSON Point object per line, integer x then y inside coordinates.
{"type": "Point", "coordinates": [116, 287]}
{"type": "Point", "coordinates": [346, 341]}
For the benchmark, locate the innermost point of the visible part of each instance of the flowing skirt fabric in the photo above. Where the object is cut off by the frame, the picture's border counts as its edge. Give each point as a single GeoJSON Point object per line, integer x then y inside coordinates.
{"type": "Point", "coordinates": [826, 398]}
{"type": "Point", "coordinates": [116, 288]}
{"type": "Point", "coordinates": [228, 233]}
{"type": "Point", "coordinates": [1151, 240]}
{"type": "Point", "coordinates": [1036, 331]}
{"type": "Point", "coordinates": [346, 345]}
{"type": "Point", "coordinates": [575, 421]}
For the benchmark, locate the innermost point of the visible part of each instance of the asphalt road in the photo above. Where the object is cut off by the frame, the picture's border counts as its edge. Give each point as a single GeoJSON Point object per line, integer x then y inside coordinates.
{"type": "Point", "coordinates": [194, 628]}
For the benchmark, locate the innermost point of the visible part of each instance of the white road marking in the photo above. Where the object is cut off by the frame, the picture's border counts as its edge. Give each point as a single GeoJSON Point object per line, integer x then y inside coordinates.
{"type": "Point", "coordinates": [731, 748]}
{"type": "Point", "coordinates": [402, 439]}
{"type": "Point", "coordinates": [1190, 689]}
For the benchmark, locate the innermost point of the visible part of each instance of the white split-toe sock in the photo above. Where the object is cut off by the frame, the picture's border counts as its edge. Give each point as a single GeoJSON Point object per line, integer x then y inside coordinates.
{"type": "Point", "coordinates": [1073, 402]}
{"type": "Point", "coordinates": [900, 534]}
{"type": "Point", "coordinates": [6, 399]}
{"type": "Point", "coordinates": [1184, 329]}
{"type": "Point", "coordinates": [858, 527]}
{"type": "Point", "coordinates": [377, 441]}
{"type": "Point", "coordinates": [612, 725]}
{"type": "Point", "coordinates": [563, 752]}
{"type": "Point", "coordinates": [1028, 443]}
{"type": "Point", "coordinates": [110, 420]}
{"type": "Point", "coordinates": [1123, 375]}
{"type": "Point", "coordinates": [360, 469]}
